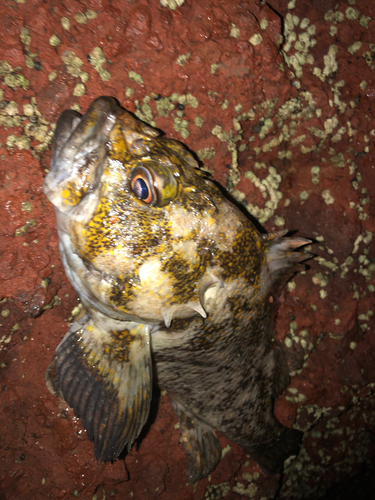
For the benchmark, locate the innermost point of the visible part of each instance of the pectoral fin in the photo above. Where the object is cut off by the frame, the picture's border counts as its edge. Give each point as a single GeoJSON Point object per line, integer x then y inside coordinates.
{"type": "Point", "coordinates": [202, 446]}
{"type": "Point", "coordinates": [104, 373]}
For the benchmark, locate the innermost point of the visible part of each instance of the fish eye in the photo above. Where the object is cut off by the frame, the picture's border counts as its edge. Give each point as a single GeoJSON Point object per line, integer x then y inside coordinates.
{"type": "Point", "coordinates": [141, 184]}
{"type": "Point", "coordinates": [140, 189]}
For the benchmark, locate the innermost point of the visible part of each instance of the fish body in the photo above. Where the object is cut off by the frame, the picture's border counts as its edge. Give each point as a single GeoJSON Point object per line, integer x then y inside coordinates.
{"type": "Point", "coordinates": [177, 285]}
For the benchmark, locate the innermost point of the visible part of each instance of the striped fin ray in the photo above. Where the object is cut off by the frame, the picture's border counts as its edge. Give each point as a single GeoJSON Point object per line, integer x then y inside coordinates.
{"type": "Point", "coordinates": [282, 259]}
{"type": "Point", "coordinates": [103, 369]}
{"type": "Point", "coordinates": [201, 444]}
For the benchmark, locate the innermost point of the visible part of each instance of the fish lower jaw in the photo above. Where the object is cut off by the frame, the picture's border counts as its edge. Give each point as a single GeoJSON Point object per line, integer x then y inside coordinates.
{"type": "Point", "coordinates": [159, 333]}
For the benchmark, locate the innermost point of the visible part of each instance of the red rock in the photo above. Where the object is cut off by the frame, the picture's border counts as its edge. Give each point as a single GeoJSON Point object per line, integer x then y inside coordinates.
{"type": "Point", "coordinates": [139, 22]}
{"type": "Point", "coordinates": [325, 319]}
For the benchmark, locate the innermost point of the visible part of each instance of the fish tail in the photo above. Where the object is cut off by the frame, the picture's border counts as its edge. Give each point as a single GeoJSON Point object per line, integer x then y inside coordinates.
{"type": "Point", "coordinates": [271, 456]}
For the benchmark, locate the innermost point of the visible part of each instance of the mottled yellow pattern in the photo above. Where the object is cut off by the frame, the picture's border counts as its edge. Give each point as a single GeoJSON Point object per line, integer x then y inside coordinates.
{"type": "Point", "coordinates": [165, 265]}
{"type": "Point", "coordinates": [183, 196]}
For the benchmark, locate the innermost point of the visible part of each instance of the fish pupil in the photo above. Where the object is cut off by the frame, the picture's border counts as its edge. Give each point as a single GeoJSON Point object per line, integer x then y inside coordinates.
{"type": "Point", "coordinates": [140, 189]}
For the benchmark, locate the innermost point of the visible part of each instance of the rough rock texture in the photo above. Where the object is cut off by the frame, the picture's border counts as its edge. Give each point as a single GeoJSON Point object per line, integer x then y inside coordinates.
{"type": "Point", "coordinates": [277, 100]}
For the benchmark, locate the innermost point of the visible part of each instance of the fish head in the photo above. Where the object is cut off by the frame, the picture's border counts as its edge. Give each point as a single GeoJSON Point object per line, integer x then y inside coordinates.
{"type": "Point", "coordinates": [143, 231]}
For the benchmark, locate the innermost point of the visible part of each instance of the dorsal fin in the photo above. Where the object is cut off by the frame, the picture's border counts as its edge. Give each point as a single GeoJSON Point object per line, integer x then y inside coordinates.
{"type": "Point", "coordinates": [282, 261]}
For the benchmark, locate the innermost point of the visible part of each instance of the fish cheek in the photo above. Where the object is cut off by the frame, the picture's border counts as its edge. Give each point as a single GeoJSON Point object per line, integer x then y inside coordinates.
{"type": "Point", "coordinates": [121, 292]}
{"type": "Point", "coordinates": [148, 241]}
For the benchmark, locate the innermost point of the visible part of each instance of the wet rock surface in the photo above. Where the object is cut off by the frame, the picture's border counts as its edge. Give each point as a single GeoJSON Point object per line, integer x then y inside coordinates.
{"type": "Point", "coordinates": [277, 101]}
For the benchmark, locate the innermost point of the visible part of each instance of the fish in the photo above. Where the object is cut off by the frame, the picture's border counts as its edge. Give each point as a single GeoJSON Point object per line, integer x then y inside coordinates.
{"type": "Point", "coordinates": [178, 289]}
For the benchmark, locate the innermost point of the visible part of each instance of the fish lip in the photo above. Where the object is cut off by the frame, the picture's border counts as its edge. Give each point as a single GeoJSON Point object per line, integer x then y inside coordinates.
{"type": "Point", "coordinates": [77, 141]}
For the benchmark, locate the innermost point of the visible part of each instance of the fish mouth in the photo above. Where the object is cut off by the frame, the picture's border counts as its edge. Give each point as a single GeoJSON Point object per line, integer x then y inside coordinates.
{"type": "Point", "coordinates": [78, 150]}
